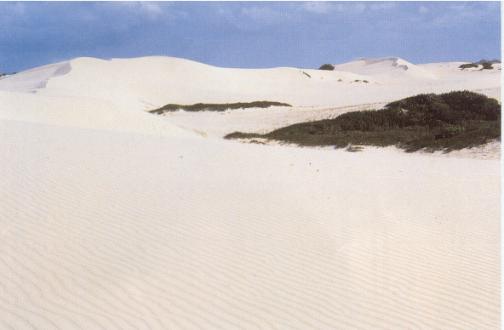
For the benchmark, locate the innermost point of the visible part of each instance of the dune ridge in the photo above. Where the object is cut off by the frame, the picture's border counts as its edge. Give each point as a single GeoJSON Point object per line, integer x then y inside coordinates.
{"type": "Point", "coordinates": [130, 86]}
{"type": "Point", "coordinates": [37, 78]}
{"type": "Point", "coordinates": [387, 69]}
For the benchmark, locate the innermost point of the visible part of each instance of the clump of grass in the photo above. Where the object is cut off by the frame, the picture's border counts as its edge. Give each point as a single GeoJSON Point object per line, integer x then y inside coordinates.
{"type": "Point", "coordinates": [256, 141]}
{"type": "Point", "coordinates": [241, 135]}
{"type": "Point", "coordinates": [450, 121]}
{"type": "Point", "coordinates": [217, 106]}
{"type": "Point", "coordinates": [352, 148]}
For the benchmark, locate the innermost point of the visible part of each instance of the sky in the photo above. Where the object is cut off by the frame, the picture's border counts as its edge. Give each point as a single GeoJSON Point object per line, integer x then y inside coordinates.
{"type": "Point", "coordinates": [248, 34]}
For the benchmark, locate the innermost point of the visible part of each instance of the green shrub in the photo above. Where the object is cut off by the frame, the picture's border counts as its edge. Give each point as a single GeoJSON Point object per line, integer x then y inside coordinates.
{"type": "Point", "coordinates": [486, 64]}
{"type": "Point", "coordinates": [448, 121]}
{"type": "Point", "coordinates": [328, 67]}
{"type": "Point", "coordinates": [494, 61]}
{"type": "Point", "coordinates": [468, 65]}
{"type": "Point", "coordinates": [240, 135]}
{"type": "Point", "coordinates": [217, 106]}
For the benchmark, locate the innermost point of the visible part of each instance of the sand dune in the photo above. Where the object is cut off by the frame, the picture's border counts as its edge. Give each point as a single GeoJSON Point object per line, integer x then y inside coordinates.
{"type": "Point", "coordinates": [114, 218]}
{"type": "Point", "coordinates": [141, 232]}
{"type": "Point", "coordinates": [30, 81]}
{"type": "Point", "coordinates": [150, 82]}
{"type": "Point", "coordinates": [81, 112]}
{"type": "Point", "coordinates": [70, 92]}
{"type": "Point", "coordinates": [386, 69]}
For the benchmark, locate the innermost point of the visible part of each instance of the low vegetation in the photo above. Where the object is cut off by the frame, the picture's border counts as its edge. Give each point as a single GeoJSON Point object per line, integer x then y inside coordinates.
{"type": "Point", "coordinates": [468, 66]}
{"type": "Point", "coordinates": [450, 121]}
{"type": "Point", "coordinates": [4, 74]}
{"type": "Point", "coordinates": [485, 64]}
{"type": "Point", "coordinates": [328, 67]}
{"type": "Point", "coordinates": [217, 106]}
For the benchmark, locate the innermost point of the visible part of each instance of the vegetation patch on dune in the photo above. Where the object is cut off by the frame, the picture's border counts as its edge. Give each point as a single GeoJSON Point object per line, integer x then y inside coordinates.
{"type": "Point", "coordinates": [217, 106]}
{"type": "Point", "coordinates": [5, 74]}
{"type": "Point", "coordinates": [450, 121]}
{"type": "Point", "coordinates": [328, 67]}
{"type": "Point", "coordinates": [485, 64]}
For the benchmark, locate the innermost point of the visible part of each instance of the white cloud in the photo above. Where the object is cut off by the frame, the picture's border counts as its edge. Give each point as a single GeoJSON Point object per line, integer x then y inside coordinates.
{"type": "Point", "coordinates": [254, 18]}
{"type": "Point", "coordinates": [318, 7]}
{"type": "Point", "coordinates": [152, 10]}
{"type": "Point", "coordinates": [11, 13]}
{"type": "Point", "coordinates": [328, 7]}
{"type": "Point", "coordinates": [382, 5]}
{"type": "Point", "coordinates": [146, 10]}
{"type": "Point", "coordinates": [263, 14]}
{"type": "Point", "coordinates": [12, 9]}
{"type": "Point", "coordinates": [463, 13]}
{"type": "Point", "coordinates": [16, 8]}
{"type": "Point", "coordinates": [360, 7]}
{"type": "Point", "coordinates": [423, 10]}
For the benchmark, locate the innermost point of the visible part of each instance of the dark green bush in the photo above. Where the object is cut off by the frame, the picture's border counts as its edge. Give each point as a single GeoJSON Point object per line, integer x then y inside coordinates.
{"type": "Point", "coordinates": [448, 121]}
{"type": "Point", "coordinates": [486, 64]}
{"type": "Point", "coordinates": [488, 61]}
{"type": "Point", "coordinates": [2, 74]}
{"type": "Point", "coordinates": [468, 65]}
{"type": "Point", "coordinates": [217, 106]}
{"type": "Point", "coordinates": [328, 67]}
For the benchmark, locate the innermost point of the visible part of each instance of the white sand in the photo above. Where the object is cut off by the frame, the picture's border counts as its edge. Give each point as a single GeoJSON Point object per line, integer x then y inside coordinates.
{"type": "Point", "coordinates": [111, 218]}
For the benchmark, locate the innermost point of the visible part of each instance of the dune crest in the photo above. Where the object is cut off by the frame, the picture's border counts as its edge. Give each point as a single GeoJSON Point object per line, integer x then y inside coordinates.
{"type": "Point", "coordinates": [387, 68]}
{"type": "Point", "coordinates": [30, 81]}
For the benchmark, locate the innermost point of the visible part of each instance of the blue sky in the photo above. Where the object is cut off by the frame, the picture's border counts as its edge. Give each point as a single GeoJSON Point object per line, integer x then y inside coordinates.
{"type": "Point", "coordinates": [248, 34]}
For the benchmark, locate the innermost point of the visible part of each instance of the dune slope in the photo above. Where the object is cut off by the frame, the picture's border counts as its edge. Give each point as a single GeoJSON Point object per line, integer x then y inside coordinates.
{"type": "Point", "coordinates": [136, 233]}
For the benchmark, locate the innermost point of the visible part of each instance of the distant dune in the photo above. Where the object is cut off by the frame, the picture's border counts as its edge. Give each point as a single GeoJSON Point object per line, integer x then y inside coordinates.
{"type": "Point", "coordinates": [389, 68]}
{"type": "Point", "coordinates": [148, 83]}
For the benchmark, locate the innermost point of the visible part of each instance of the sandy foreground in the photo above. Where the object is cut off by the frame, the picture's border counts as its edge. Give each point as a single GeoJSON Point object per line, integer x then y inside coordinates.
{"type": "Point", "coordinates": [111, 218]}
